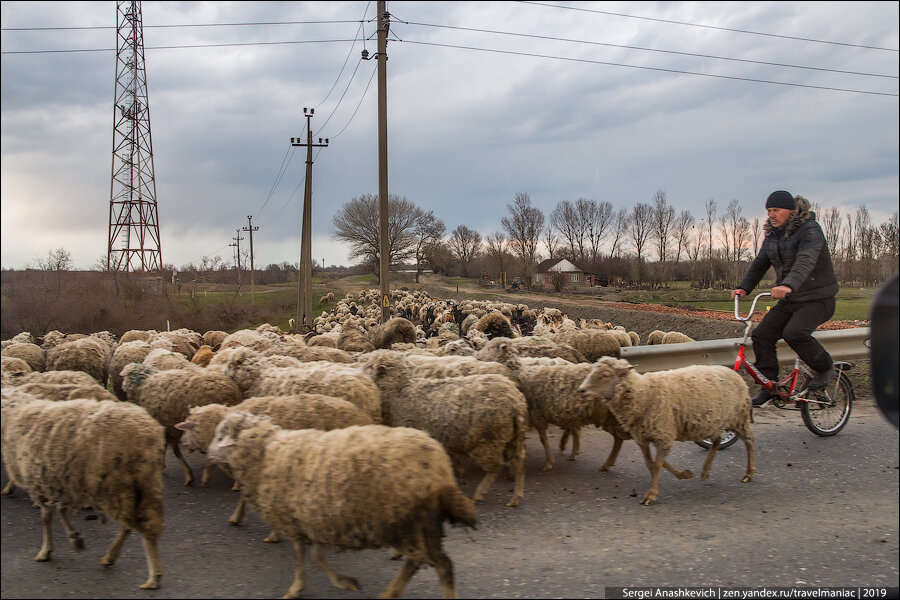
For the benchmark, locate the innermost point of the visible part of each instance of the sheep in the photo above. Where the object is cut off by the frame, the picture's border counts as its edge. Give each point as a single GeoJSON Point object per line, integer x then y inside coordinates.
{"type": "Point", "coordinates": [213, 338]}
{"type": "Point", "coordinates": [167, 396]}
{"type": "Point", "coordinates": [655, 337]}
{"type": "Point", "coordinates": [105, 454]}
{"type": "Point", "coordinates": [540, 346]}
{"type": "Point", "coordinates": [440, 367]}
{"type": "Point", "coordinates": [13, 370]}
{"type": "Point", "coordinates": [89, 354]}
{"type": "Point", "coordinates": [392, 331]}
{"type": "Point", "coordinates": [67, 391]}
{"type": "Point", "coordinates": [256, 377]}
{"type": "Point", "coordinates": [395, 488]}
{"type": "Point", "coordinates": [164, 360]}
{"type": "Point", "coordinates": [310, 353]}
{"type": "Point", "coordinates": [591, 343]}
{"type": "Point", "coordinates": [635, 338]}
{"type": "Point", "coordinates": [688, 404]}
{"type": "Point", "coordinates": [676, 337]}
{"type": "Point", "coordinates": [550, 387]}
{"type": "Point", "coordinates": [24, 337]}
{"type": "Point", "coordinates": [135, 350]}
{"type": "Point", "coordinates": [351, 339]}
{"type": "Point", "coordinates": [30, 353]}
{"type": "Point", "coordinates": [494, 325]}
{"type": "Point", "coordinates": [204, 354]}
{"type": "Point", "coordinates": [184, 341]}
{"type": "Point", "coordinates": [76, 377]}
{"type": "Point", "coordinates": [299, 411]}
{"type": "Point", "coordinates": [481, 416]}
{"type": "Point", "coordinates": [137, 335]}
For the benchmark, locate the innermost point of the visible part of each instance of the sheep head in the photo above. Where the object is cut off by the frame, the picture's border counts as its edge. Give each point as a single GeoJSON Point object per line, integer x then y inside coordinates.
{"type": "Point", "coordinates": [233, 427]}
{"type": "Point", "coordinates": [134, 374]}
{"type": "Point", "coordinates": [604, 377]}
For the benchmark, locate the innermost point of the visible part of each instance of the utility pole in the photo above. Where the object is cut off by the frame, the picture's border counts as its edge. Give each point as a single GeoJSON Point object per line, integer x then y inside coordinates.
{"type": "Point", "coordinates": [251, 229]}
{"type": "Point", "coordinates": [384, 23]}
{"type": "Point", "coordinates": [304, 283]}
{"type": "Point", "coordinates": [237, 253]}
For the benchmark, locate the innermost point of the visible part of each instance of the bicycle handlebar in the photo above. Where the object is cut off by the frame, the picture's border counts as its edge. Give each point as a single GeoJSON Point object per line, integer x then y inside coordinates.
{"type": "Point", "coordinates": [737, 299]}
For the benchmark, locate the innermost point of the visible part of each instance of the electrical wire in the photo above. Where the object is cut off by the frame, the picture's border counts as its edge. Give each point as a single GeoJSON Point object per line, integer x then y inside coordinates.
{"type": "Point", "coordinates": [660, 69]}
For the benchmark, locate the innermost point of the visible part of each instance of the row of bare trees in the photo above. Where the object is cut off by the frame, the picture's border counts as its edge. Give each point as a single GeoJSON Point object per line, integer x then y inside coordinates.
{"type": "Point", "coordinates": [648, 243]}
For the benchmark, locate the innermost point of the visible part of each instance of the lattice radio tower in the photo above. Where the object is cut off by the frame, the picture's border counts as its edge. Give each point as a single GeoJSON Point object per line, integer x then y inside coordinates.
{"type": "Point", "coordinates": [133, 223]}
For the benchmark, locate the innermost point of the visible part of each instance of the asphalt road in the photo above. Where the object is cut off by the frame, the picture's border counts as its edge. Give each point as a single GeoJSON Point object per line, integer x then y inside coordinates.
{"type": "Point", "coordinates": [820, 512]}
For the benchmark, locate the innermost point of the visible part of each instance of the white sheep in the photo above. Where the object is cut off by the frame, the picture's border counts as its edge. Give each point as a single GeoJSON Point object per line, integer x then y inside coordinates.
{"type": "Point", "coordinates": [299, 411]}
{"type": "Point", "coordinates": [480, 416]}
{"type": "Point", "coordinates": [676, 337]}
{"type": "Point", "coordinates": [168, 395]}
{"type": "Point", "coordinates": [688, 404]}
{"type": "Point", "coordinates": [257, 377]}
{"type": "Point", "coordinates": [27, 351]}
{"type": "Point", "coordinates": [360, 487]}
{"type": "Point", "coordinates": [105, 454]}
{"type": "Point", "coordinates": [90, 354]}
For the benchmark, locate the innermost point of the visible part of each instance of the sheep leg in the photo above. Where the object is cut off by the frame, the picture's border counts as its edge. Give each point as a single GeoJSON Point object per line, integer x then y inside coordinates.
{"type": "Point", "coordinates": [486, 482]}
{"type": "Point", "coordinates": [9, 489]}
{"type": "Point", "coordinates": [238, 515]}
{"type": "Point", "coordinates": [188, 474]}
{"type": "Point", "coordinates": [272, 538]}
{"type": "Point", "coordinates": [748, 443]}
{"type": "Point", "coordinates": [613, 454]}
{"type": "Point", "coordinates": [517, 465]}
{"type": "Point", "coordinates": [548, 461]}
{"type": "Point", "coordinates": [207, 471]}
{"type": "Point", "coordinates": [151, 551]}
{"type": "Point", "coordinates": [576, 443]}
{"type": "Point", "coordinates": [398, 583]}
{"type": "Point", "coordinates": [74, 536]}
{"type": "Point", "coordinates": [707, 464]}
{"type": "Point", "coordinates": [563, 440]}
{"type": "Point", "coordinates": [116, 547]}
{"type": "Point", "coordinates": [47, 547]}
{"type": "Point", "coordinates": [299, 583]}
{"type": "Point", "coordinates": [338, 580]}
{"type": "Point", "coordinates": [655, 467]}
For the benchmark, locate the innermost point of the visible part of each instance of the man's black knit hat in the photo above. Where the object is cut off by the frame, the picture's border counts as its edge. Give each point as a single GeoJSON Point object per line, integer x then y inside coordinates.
{"type": "Point", "coordinates": [781, 199]}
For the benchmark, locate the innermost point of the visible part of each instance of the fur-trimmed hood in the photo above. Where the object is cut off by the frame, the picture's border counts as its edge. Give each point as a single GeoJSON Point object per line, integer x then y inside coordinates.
{"type": "Point", "coordinates": [801, 215]}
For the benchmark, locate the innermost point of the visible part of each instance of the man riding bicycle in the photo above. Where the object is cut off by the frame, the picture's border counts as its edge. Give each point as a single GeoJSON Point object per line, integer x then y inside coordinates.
{"type": "Point", "coordinates": [805, 287]}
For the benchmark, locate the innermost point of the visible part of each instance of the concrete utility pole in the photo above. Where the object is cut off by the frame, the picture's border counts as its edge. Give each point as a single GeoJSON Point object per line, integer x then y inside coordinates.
{"type": "Point", "coordinates": [251, 229]}
{"type": "Point", "coordinates": [304, 287]}
{"type": "Point", "coordinates": [237, 254]}
{"type": "Point", "coordinates": [384, 24]}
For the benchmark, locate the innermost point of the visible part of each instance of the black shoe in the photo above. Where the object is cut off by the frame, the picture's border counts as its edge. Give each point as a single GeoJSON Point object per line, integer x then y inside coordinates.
{"type": "Point", "coordinates": [761, 398]}
{"type": "Point", "coordinates": [821, 379]}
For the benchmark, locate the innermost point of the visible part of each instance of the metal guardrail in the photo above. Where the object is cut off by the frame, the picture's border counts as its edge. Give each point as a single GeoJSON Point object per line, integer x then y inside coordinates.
{"type": "Point", "coordinates": [842, 344]}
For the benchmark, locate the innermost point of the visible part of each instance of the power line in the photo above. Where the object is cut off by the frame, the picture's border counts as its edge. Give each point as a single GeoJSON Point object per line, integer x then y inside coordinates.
{"type": "Point", "coordinates": [661, 69]}
{"type": "Point", "coordinates": [775, 35]}
{"type": "Point", "coordinates": [559, 39]}
{"type": "Point", "coordinates": [181, 25]}
{"type": "Point", "coordinates": [224, 45]}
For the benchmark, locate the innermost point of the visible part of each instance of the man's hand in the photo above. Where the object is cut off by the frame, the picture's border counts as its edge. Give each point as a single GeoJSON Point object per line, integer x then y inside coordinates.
{"type": "Point", "coordinates": [738, 292]}
{"type": "Point", "coordinates": [781, 291]}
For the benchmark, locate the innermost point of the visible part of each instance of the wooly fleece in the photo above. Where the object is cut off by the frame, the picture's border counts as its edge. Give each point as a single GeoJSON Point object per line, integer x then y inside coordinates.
{"type": "Point", "coordinates": [480, 416]}
{"type": "Point", "coordinates": [30, 353]}
{"type": "Point", "coordinates": [257, 378]}
{"type": "Point", "coordinates": [88, 354]}
{"type": "Point", "coordinates": [14, 369]}
{"type": "Point", "coordinates": [105, 454]}
{"type": "Point", "coordinates": [391, 332]}
{"type": "Point", "coordinates": [676, 337]}
{"type": "Point", "coordinates": [67, 391]}
{"type": "Point", "coordinates": [168, 395]}
{"type": "Point", "coordinates": [688, 404]}
{"type": "Point", "coordinates": [540, 346]}
{"type": "Point", "coordinates": [591, 343]}
{"type": "Point", "coordinates": [360, 487]}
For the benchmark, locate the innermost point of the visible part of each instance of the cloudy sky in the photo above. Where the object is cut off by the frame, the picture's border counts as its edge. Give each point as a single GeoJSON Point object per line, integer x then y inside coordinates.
{"type": "Point", "coordinates": [560, 100]}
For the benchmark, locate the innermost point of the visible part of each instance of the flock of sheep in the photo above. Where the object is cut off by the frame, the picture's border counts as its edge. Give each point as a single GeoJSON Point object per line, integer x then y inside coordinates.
{"type": "Point", "coordinates": [349, 437]}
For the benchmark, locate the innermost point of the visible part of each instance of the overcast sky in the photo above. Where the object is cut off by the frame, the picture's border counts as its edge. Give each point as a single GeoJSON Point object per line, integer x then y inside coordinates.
{"type": "Point", "coordinates": [609, 101]}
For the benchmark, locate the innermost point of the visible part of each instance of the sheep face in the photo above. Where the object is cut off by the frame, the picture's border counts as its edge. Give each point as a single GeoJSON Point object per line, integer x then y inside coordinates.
{"type": "Point", "coordinates": [227, 433]}
{"type": "Point", "coordinates": [604, 376]}
{"type": "Point", "coordinates": [200, 426]}
{"type": "Point", "coordinates": [134, 374]}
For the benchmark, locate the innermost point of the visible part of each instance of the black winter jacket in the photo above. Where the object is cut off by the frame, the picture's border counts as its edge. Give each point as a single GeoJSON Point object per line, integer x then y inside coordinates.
{"type": "Point", "coordinates": [799, 254]}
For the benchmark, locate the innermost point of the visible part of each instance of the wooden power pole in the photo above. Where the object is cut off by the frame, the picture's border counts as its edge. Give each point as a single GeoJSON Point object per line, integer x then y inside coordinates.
{"type": "Point", "coordinates": [251, 229]}
{"type": "Point", "coordinates": [304, 287]}
{"type": "Point", "coordinates": [384, 23]}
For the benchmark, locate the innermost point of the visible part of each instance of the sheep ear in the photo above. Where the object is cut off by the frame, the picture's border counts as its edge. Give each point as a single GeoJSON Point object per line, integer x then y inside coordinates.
{"type": "Point", "coordinates": [186, 426]}
{"type": "Point", "coordinates": [623, 367]}
{"type": "Point", "coordinates": [226, 441]}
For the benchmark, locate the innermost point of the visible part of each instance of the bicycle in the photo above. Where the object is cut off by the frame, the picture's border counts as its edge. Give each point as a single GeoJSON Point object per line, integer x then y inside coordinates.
{"type": "Point", "coordinates": [825, 412]}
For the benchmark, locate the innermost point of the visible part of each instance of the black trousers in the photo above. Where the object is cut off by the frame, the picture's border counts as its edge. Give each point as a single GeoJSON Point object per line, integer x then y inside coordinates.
{"type": "Point", "coordinates": [795, 322]}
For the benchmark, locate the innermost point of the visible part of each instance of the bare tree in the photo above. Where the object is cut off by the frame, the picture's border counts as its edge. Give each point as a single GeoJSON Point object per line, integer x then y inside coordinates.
{"type": "Point", "coordinates": [662, 216]}
{"type": "Point", "coordinates": [831, 227]}
{"type": "Point", "coordinates": [428, 231]}
{"type": "Point", "coordinates": [566, 221]}
{"type": "Point", "coordinates": [620, 230]}
{"type": "Point", "coordinates": [465, 244]}
{"type": "Point", "coordinates": [496, 249]}
{"type": "Point", "coordinates": [551, 240]}
{"type": "Point", "coordinates": [711, 207]}
{"type": "Point", "coordinates": [357, 222]}
{"type": "Point", "coordinates": [523, 228]}
{"type": "Point", "coordinates": [681, 230]}
{"type": "Point", "coordinates": [57, 259]}
{"type": "Point", "coordinates": [600, 219]}
{"type": "Point", "coordinates": [756, 230]}
{"type": "Point", "coordinates": [639, 229]}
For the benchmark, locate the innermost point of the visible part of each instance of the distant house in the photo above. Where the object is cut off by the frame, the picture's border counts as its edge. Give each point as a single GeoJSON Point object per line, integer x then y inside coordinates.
{"type": "Point", "coordinates": [567, 274]}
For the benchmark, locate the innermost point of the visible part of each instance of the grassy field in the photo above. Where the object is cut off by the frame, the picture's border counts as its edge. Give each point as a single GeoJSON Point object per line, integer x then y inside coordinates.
{"type": "Point", "coordinates": [852, 303]}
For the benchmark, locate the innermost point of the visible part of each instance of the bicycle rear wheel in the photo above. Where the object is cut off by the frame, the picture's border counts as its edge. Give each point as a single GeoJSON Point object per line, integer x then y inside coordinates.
{"type": "Point", "coordinates": [828, 410]}
{"type": "Point", "coordinates": [728, 439]}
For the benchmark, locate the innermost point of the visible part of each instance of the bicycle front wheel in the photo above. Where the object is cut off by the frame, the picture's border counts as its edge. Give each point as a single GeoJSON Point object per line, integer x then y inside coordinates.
{"type": "Point", "coordinates": [828, 410]}
{"type": "Point", "coordinates": [728, 438]}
